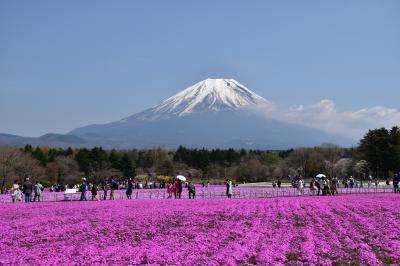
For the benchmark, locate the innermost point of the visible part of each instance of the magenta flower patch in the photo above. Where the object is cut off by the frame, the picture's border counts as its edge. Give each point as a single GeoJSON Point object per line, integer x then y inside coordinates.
{"type": "Point", "coordinates": [343, 230]}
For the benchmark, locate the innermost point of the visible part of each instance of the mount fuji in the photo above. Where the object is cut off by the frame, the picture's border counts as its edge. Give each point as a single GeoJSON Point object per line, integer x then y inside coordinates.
{"type": "Point", "coordinates": [210, 95]}
{"type": "Point", "coordinates": [213, 113]}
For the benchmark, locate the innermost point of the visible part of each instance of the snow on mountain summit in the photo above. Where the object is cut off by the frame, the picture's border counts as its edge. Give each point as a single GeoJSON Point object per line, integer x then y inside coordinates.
{"type": "Point", "coordinates": [205, 96]}
{"type": "Point", "coordinates": [214, 113]}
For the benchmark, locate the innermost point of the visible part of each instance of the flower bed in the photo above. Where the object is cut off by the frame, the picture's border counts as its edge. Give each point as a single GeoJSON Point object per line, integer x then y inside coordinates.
{"type": "Point", "coordinates": [360, 229]}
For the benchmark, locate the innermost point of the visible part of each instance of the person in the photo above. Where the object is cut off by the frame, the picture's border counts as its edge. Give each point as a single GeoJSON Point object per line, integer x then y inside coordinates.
{"type": "Point", "coordinates": [351, 182]}
{"type": "Point", "coordinates": [180, 188]}
{"type": "Point", "coordinates": [170, 189]}
{"type": "Point", "coordinates": [27, 187]}
{"type": "Point", "coordinates": [326, 190]}
{"type": "Point", "coordinates": [369, 181]}
{"type": "Point", "coordinates": [129, 189]}
{"type": "Point", "coordinates": [38, 191]}
{"type": "Point", "coordinates": [293, 181]}
{"type": "Point", "coordinates": [346, 182]}
{"type": "Point", "coordinates": [318, 184]}
{"type": "Point", "coordinates": [192, 190]}
{"type": "Point", "coordinates": [334, 186]}
{"type": "Point", "coordinates": [279, 183]}
{"type": "Point", "coordinates": [114, 186]}
{"type": "Point", "coordinates": [94, 191]}
{"type": "Point", "coordinates": [396, 181]}
{"type": "Point", "coordinates": [104, 187]}
{"type": "Point", "coordinates": [300, 186]}
{"type": "Point", "coordinates": [83, 189]}
{"type": "Point", "coordinates": [229, 191]}
{"type": "Point", "coordinates": [15, 192]}
{"type": "Point", "coordinates": [313, 187]}
{"type": "Point", "coordinates": [175, 188]}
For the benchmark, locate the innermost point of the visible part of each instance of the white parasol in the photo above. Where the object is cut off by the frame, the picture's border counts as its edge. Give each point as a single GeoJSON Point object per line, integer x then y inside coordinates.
{"type": "Point", "coordinates": [181, 177]}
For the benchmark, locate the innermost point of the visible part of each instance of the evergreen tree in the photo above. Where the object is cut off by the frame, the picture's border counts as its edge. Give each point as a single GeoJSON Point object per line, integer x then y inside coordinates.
{"type": "Point", "coordinates": [69, 152]}
{"type": "Point", "coordinates": [83, 159]}
{"type": "Point", "coordinates": [126, 166]}
{"type": "Point", "coordinates": [375, 148]}
{"type": "Point", "coordinates": [28, 148]}
{"type": "Point", "coordinates": [39, 155]}
{"type": "Point", "coordinates": [115, 159]}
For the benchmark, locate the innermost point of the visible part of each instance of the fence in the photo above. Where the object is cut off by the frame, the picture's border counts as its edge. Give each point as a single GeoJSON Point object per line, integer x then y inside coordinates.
{"type": "Point", "coordinates": [213, 192]}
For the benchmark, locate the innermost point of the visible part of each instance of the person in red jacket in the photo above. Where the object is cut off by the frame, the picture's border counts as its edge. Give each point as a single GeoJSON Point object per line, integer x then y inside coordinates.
{"type": "Point", "coordinates": [170, 189]}
{"type": "Point", "coordinates": [176, 188]}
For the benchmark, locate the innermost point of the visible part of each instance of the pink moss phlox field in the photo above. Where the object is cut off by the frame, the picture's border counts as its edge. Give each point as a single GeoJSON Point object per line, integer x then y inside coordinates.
{"type": "Point", "coordinates": [342, 230]}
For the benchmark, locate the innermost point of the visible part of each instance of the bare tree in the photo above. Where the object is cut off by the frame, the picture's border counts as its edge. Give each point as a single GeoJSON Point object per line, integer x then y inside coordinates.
{"type": "Point", "coordinates": [52, 172]}
{"type": "Point", "coordinates": [26, 166]}
{"type": "Point", "coordinates": [332, 154]}
{"type": "Point", "coordinates": [298, 159]}
{"type": "Point", "coordinates": [104, 173]}
{"type": "Point", "coordinates": [343, 167]}
{"type": "Point", "coordinates": [8, 158]}
{"type": "Point", "coordinates": [67, 170]}
{"type": "Point", "coordinates": [361, 168]}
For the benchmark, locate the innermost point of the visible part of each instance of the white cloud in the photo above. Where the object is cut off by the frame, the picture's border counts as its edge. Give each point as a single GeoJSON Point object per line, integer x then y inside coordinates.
{"type": "Point", "coordinates": [325, 116]}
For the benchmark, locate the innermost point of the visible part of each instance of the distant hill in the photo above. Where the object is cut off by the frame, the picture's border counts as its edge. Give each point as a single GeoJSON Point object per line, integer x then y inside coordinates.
{"type": "Point", "coordinates": [51, 139]}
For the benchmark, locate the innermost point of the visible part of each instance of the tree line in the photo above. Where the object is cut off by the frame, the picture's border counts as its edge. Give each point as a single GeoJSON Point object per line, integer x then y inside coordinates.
{"type": "Point", "coordinates": [377, 154]}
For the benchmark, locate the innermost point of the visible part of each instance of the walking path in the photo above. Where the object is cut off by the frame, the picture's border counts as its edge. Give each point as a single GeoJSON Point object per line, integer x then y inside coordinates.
{"type": "Point", "coordinates": [203, 193]}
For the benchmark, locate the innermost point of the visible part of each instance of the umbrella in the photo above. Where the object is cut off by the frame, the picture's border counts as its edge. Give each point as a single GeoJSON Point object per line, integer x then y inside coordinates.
{"type": "Point", "coordinates": [321, 176]}
{"type": "Point", "coordinates": [181, 177]}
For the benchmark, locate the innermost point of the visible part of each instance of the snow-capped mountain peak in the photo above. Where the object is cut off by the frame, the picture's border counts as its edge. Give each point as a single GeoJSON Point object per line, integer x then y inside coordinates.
{"type": "Point", "coordinates": [208, 95]}
{"type": "Point", "coordinates": [213, 113]}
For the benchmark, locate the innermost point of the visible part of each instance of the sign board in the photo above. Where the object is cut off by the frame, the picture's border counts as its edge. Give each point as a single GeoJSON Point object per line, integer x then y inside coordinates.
{"type": "Point", "coordinates": [70, 191]}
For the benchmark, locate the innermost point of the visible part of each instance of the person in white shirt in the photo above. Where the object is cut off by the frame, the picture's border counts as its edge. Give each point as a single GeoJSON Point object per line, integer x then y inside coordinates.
{"type": "Point", "coordinates": [38, 189]}
{"type": "Point", "coordinates": [15, 192]}
{"type": "Point", "coordinates": [300, 186]}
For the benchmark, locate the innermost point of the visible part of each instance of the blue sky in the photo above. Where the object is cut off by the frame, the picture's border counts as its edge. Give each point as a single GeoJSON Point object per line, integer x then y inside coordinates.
{"type": "Point", "coordinates": [65, 64]}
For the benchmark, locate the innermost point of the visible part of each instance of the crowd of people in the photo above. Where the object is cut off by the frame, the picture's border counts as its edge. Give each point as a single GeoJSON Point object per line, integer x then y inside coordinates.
{"type": "Point", "coordinates": [174, 188]}
{"type": "Point", "coordinates": [106, 186]}
{"type": "Point", "coordinates": [324, 186]}
{"type": "Point", "coordinates": [328, 186]}
{"type": "Point", "coordinates": [320, 185]}
{"type": "Point", "coordinates": [24, 191]}
{"type": "Point", "coordinates": [30, 192]}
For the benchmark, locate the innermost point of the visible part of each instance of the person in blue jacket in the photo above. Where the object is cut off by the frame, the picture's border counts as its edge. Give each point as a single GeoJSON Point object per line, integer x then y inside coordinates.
{"type": "Point", "coordinates": [83, 189]}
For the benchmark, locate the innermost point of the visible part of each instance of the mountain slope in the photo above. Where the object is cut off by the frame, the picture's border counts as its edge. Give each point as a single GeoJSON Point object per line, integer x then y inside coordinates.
{"type": "Point", "coordinates": [212, 130]}
{"type": "Point", "coordinates": [212, 113]}
{"type": "Point", "coordinates": [208, 95]}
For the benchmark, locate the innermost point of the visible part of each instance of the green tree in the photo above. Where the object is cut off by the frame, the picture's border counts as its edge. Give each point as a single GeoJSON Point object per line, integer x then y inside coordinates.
{"type": "Point", "coordinates": [395, 149]}
{"type": "Point", "coordinates": [39, 155]}
{"type": "Point", "coordinates": [115, 159]}
{"type": "Point", "coordinates": [126, 166]}
{"type": "Point", "coordinates": [84, 161]}
{"type": "Point", "coordinates": [377, 150]}
{"type": "Point", "coordinates": [28, 148]}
